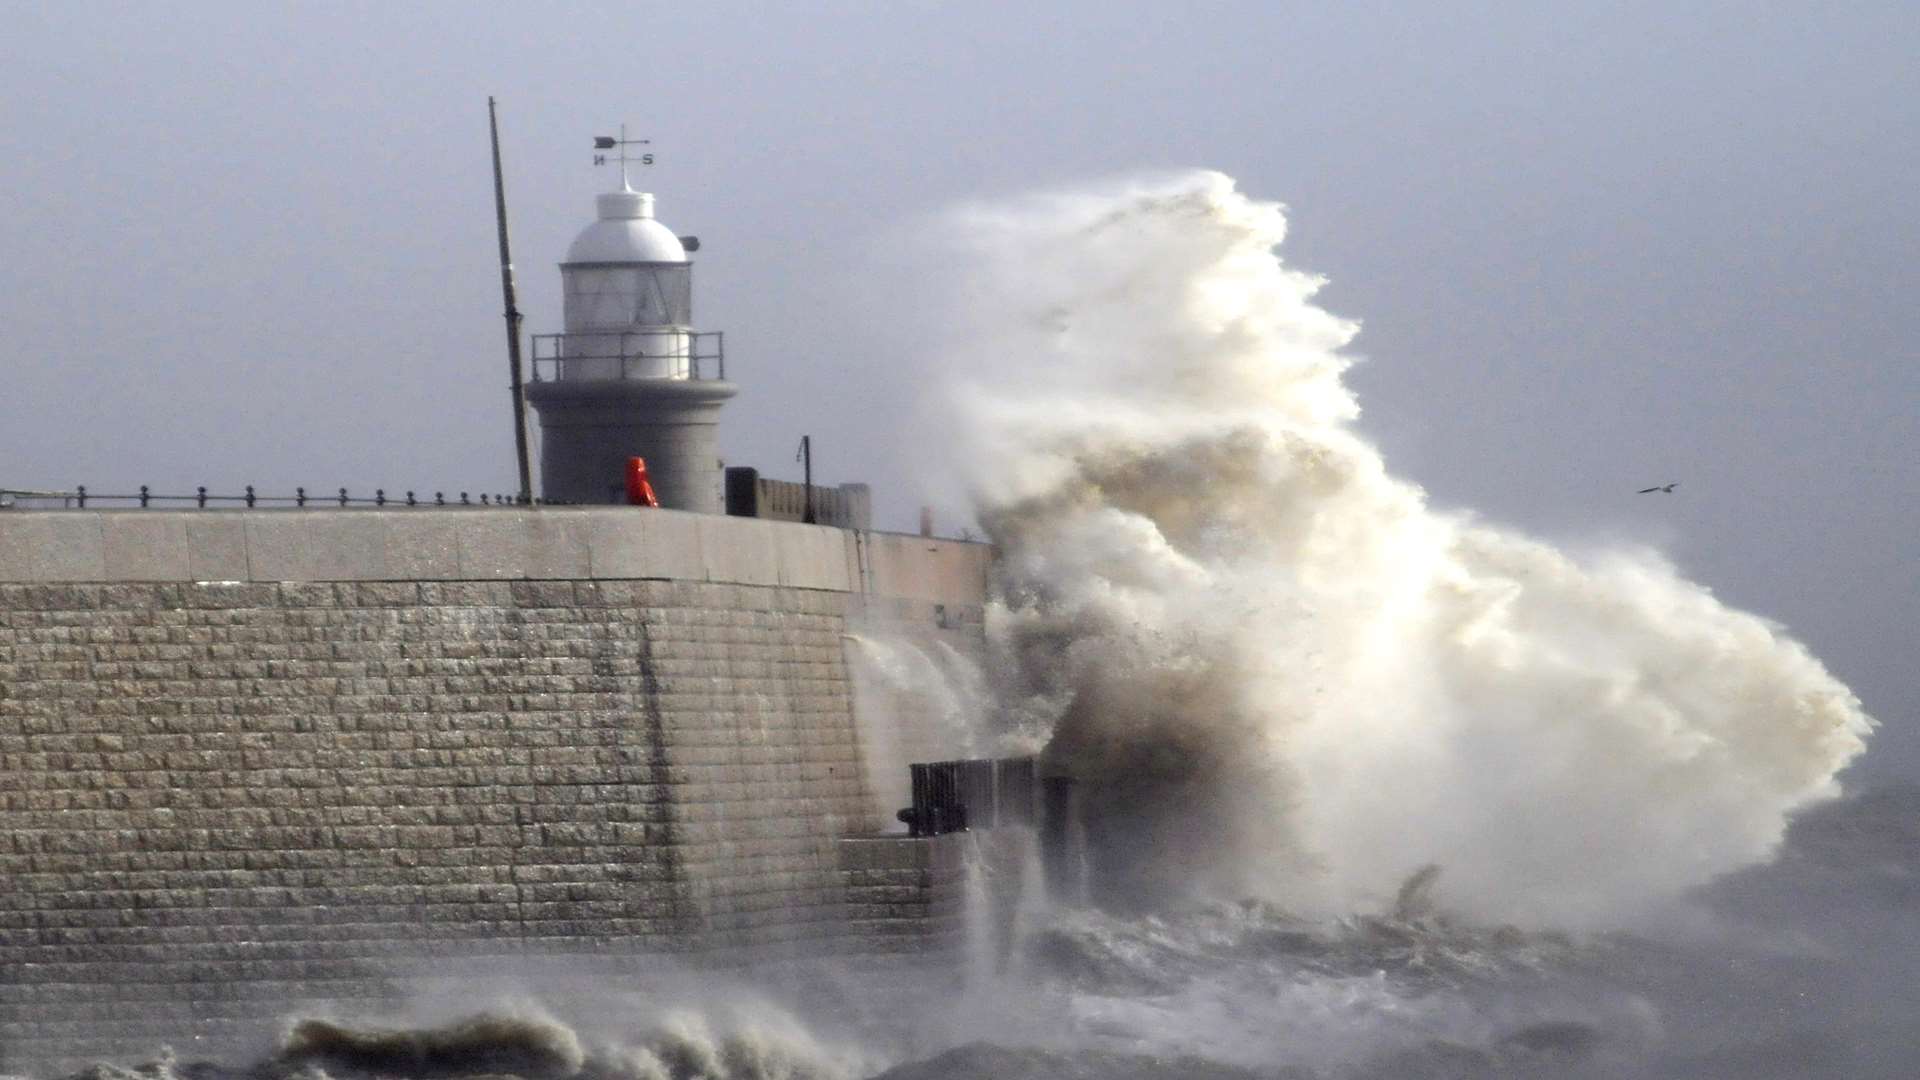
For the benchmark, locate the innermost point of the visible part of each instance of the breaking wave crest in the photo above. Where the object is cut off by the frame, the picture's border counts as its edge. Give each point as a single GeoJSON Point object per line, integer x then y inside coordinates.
{"type": "Point", "coordinates": [533, 1047]}
{"type": "Point", "coordinates": [746, 1039]}
{"type": "Point", "coordinates": [1276, 670]}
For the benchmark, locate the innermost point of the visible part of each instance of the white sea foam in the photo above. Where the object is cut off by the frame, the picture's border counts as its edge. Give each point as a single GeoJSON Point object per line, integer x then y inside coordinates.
{"type": "Point", "coordinates": [1275, 668]}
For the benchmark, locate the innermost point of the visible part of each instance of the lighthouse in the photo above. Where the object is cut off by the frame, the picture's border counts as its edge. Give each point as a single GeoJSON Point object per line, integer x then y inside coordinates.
{"type": "Point", "coordinates": [630, 377]}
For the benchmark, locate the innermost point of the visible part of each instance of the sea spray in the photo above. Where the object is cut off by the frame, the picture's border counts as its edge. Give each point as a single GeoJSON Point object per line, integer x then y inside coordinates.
{"type": "Point", "coordinates": [914, 700]}
{"type": "Point", "coordinates": [1276, 670]}
{"type": "Point", "coordinates": [929, 689]}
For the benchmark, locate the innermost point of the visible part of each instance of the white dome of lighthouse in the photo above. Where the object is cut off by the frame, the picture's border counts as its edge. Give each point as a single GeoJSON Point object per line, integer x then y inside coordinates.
{"type": "Point", "coordinates": [626, 232]}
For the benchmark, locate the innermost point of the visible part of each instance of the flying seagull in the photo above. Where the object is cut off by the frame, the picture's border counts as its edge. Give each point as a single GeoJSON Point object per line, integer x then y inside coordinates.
{"type": "Point", "coordinates": [1664, 488]}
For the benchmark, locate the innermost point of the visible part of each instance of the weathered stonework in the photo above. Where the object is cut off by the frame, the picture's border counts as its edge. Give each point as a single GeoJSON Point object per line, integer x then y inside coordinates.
{"type": "Point", "coordinates": [224, 799]}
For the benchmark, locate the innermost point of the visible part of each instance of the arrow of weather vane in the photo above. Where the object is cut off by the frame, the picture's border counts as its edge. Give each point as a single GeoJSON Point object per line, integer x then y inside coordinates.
{"type": "Point", "coordinates": [620, 143]}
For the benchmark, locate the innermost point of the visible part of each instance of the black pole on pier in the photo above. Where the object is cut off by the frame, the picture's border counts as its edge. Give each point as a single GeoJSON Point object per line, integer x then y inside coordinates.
{"type": "Point", "coordinates": [806, 454]}
{"type": "Point", "coordinates": [513, 315]}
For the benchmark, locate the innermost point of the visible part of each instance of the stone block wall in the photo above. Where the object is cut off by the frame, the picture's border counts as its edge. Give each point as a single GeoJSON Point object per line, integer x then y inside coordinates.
{"type": "Point", "coordinates": [905, 895]}
{"type": "Point", "coordinates": [939, 896]}
{"type": "Point", "coordinates": [228, 799]}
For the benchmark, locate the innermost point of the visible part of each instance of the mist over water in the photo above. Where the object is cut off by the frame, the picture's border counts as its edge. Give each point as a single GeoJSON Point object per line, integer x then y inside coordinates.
{"type": "Point", "coordinates": [1278, 671]}
{"type": "Point", "coordinates": [1798, 969]}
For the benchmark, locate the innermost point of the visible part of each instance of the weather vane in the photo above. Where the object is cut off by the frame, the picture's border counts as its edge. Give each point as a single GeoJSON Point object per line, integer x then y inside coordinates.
{"type": "Point", "coordinates": [609, 142]}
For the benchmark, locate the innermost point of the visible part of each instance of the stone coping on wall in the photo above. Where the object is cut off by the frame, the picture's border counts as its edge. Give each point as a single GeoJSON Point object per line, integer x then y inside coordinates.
{"type": "Point", "coordinates": [421, 544]}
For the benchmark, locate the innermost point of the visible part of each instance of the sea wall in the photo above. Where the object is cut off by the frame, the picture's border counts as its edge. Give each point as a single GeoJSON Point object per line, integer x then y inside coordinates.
{"type": "Point", "coordinates": [258, 762]}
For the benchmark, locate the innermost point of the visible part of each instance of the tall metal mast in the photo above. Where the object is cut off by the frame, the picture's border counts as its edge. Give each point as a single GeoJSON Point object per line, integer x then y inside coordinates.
{"type": "Point", "coordinates": [513, 314]}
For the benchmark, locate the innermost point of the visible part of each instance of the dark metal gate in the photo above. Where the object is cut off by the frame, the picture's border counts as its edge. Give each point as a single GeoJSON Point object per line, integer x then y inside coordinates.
{"type": "Point", "coordinates": [979, 793]}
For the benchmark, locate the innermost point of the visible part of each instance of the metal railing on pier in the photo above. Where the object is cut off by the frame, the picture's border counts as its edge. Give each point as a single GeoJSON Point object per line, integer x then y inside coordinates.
{"type": "Point", "coordinates": [82, 498]}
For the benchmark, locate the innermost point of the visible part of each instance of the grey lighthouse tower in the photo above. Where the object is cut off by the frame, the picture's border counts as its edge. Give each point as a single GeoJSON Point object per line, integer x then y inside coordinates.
{"type": "Point", "coordinates": [630, 377]}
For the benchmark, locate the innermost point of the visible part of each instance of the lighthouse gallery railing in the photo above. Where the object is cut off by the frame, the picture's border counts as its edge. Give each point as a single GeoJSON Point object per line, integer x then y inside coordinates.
{"type": "Point", "coordinates": [702, 351]}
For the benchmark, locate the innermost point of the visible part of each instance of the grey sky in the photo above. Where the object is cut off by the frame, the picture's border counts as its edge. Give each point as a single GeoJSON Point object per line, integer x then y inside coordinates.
{"type": "Point", "coordinates": [1593, 248]}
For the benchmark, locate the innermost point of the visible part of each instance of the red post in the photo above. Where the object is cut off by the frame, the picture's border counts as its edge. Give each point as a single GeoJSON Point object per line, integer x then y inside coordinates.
{"type": "Point", "coordinates": [639, 487]}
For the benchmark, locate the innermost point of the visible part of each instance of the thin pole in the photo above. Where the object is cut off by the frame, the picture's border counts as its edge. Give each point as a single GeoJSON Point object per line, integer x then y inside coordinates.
{"type": "Point", "coordinates": [806, 453]}
{"type": "Point", "coordinates": [513, 314]}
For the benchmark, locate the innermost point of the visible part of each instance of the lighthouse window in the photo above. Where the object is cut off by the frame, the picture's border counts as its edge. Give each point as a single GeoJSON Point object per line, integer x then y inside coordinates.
{"type": "Point", "coordinates": [596, 297]}
{"type": "Point", "coordinates": [649, 302]}
{"type": "Point", "coordinates": [667, 295]}
{"type": "Point", "coordinates": [657, 295]}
